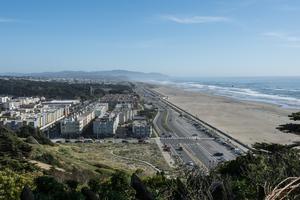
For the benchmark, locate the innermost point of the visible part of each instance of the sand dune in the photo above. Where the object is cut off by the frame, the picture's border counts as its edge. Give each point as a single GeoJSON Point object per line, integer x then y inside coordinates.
{"type": "Point", "coordinates": [248, 122]}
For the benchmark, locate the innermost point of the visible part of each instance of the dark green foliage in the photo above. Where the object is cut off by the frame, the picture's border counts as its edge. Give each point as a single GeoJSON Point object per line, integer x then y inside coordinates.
{"type": "Point", "coordinates": [16, 164]}
{"type": "Point", "coordinates": [291, 127]}
{"type": "Point", "coordinates": [72, 184]}
{"type": "Point", "coordinates": [250, 172]}
{"type": "Point", "coordinates": [142, 192]}
{"type": "Point", "coordinates": [88, 194]}
{"type": "Point", "coordinates": [47, 188]}
{"type": "Point", "coordinates": [295, 116]}
{"type": "Point", "coordinates": [59, 90]}
{"type": "Point", "coordinates": [13, 151]}
{"type": "Point", "coordinates": [273, 148]}
{"type": "Point", "coordinates": [26, 194]}
{"type": "Point", "coordinates": [11, 145]}
{"type": "Point", "coordinates": [117, 187]}
{"type": "Point", "coordinates": [26, 131]}
{"type": "Point", "coordinates": [95, 185]}
{"type": "Point", "coordinates": [160, 186]}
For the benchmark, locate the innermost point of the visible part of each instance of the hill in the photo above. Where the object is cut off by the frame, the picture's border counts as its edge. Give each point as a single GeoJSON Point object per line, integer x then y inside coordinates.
{"type": "Point", "coordinates": [103, 75]}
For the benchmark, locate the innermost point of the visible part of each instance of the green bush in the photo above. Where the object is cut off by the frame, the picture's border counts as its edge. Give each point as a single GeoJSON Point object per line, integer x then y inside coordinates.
{"type": "Point", "coordinates": [12, 183]}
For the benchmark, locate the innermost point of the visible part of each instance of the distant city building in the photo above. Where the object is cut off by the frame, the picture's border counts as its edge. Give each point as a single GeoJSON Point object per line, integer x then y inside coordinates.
{"type": "Point", "coordinates": [141, 129]}
{"type": "Point", "coordinates": [11, 104]}
{"type": "Point", "coordinates": [114, 99]}
{"type": "Point", "coordinates": [62, 102]}
{"type": "Point", "coordinates": [4, 99]}
{"type": "Point", "coordinates": [37, 119]}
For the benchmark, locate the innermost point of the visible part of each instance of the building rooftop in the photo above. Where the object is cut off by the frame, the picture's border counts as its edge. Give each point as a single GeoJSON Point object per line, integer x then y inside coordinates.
{"type": "Point", "coordinates": [140, 123]}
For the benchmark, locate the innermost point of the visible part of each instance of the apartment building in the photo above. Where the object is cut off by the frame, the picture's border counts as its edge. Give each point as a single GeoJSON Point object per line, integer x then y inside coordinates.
{"type": "Point", "coordinates": [74, 125]}
{"type": "Point", "coordinates": [106, 126]}
{"type": "Point", "coordinates": [141, 129]}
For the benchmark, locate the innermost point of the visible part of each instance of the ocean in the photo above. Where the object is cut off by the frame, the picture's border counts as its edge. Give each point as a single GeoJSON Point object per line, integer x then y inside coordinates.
{"type": "Point", "coordinates": [281, 91]}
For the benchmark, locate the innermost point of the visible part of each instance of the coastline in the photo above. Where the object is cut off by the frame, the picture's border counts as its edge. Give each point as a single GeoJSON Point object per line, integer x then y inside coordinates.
{"type": "Point", "coordinates": [246, 121]}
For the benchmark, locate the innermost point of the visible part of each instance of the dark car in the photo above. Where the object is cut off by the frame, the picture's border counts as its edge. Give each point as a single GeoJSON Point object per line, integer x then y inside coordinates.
{"type": "Point", "coordinates": [180, 149]}
{"type": "Point", "coordinates": [218, 154]}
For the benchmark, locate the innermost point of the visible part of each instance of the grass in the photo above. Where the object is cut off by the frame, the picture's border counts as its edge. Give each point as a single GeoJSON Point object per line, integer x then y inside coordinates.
{"type": "Point", "coordinates": [98, 159]}
{"type": "Point", "coordinates": [165, 124]}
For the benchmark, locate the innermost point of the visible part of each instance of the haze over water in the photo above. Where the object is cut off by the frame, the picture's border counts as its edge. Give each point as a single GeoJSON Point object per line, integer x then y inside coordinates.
{"type": "Point", "coordinates": [282, 91]}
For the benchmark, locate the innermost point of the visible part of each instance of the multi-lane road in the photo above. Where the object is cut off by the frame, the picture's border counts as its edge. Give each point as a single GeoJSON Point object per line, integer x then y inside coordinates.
{"type": "Point", "coordinates": [189, 141]}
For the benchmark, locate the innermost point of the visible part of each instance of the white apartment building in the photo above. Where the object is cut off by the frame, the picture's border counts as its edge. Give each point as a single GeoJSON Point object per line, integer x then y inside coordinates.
{"type": "Point", "coordinates": [31, 118]}
{"type": "Point", "coordinates": [125, 112]}
{"type": "Point", "coordinates": [75, 125]}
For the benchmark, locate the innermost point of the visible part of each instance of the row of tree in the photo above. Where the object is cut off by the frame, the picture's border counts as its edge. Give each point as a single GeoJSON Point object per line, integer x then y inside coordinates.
{"type": "Point", "coordinates": [59, 90]}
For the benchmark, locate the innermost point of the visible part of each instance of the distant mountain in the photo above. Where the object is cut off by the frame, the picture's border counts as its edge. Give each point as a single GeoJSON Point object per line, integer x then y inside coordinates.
{"type": "Point", "coordinates": [107, 75]}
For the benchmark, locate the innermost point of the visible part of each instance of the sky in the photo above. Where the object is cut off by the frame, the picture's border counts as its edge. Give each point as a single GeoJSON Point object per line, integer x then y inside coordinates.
{"type": "Point", "coordinates": [175, 37]}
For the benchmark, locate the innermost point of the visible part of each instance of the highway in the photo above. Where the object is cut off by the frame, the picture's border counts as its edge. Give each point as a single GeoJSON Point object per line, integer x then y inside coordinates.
{"type": "Point", "coordinates": [189, 141]}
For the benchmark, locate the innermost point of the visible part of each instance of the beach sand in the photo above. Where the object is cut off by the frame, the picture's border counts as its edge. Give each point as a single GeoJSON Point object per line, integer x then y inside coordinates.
{"type": "Point", "coordinates": [248, 122]}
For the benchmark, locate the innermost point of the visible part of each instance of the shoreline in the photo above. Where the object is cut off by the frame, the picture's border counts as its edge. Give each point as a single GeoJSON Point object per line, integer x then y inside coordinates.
{"type": "Point", "coordinates": [247, 121]}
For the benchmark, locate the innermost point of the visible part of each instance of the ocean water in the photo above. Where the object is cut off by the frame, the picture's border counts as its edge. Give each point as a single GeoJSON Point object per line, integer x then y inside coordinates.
{"type": "Point", "coordinates": [282, 91]}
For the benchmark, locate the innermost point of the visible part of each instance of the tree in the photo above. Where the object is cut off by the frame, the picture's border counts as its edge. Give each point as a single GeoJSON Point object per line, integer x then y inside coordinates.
{"type": "Point", "coordinates": [117, 187]}
{"type": "Point", "coordinates": [295, 116]}
{"type": "Point", "coordinates": [27, 131]}
{"type": "Point", "coordinates": [291, 127]}
{"type": "Point", "coordinates": [12, 183]}
{"type": "Point", "coordinates": [48, 188]}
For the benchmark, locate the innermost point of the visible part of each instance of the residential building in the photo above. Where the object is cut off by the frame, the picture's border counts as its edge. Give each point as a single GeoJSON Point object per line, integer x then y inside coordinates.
{"type": "Point", "coordinates": [141, 129]}
{"type": "Point", "coordinates": [101, 109]}
{"type": "Point", "coordinates": [125, 112]}
{"type": "Point", "coordinates": [74, 125]}
{"type": "Point", "coordinates": [106, 126]}
{"type": "Point", "coordinates": [114, 99]}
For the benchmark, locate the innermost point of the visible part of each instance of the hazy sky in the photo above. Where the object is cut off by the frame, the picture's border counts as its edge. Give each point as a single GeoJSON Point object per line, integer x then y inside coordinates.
{"type": "Point", "coordinates": [177, 37]}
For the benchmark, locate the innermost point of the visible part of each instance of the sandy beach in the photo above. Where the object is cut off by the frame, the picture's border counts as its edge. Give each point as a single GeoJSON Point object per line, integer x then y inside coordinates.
{"type": "Point", "coordinates": [248, 122]}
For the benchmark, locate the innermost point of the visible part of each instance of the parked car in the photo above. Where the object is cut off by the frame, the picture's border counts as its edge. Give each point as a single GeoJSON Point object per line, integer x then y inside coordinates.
{"type": "Point", "coordinates": [180, 148]}
{"type": "Point", "coordinates": [190, 163]}
{"type": "Point", "coordinates": [89, 141]}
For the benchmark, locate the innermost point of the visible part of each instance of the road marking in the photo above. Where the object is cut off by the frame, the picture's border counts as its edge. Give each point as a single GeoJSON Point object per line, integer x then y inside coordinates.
{"type": "Point", "coordinates": [186, 138]}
